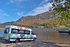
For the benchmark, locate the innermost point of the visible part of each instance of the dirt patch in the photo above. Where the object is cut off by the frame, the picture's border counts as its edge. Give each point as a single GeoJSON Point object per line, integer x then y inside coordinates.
{"type": "Point", "coordinates": [27, 44]}
{"type": "Point", "coordinates": [65, 45]}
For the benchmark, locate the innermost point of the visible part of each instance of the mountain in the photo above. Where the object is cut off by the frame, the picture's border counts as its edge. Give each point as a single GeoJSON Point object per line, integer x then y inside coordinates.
{"type": "Point", "coordinates": [46, 17]}
{"type": "Point", "coordinates": [0, 25]}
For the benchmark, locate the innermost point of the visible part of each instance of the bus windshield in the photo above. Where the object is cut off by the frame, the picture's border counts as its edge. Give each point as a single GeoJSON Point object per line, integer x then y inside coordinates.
{"type": "Point", "coordinates": [6, 30]}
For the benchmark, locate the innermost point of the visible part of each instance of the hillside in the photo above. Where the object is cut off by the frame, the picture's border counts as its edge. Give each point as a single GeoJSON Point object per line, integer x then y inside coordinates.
{"type": "Point", "coordinates": [46, 17]}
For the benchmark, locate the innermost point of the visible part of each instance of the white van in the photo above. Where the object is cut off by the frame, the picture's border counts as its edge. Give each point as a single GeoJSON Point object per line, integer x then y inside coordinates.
{"type": "Point", "coordinates": [16, 33]}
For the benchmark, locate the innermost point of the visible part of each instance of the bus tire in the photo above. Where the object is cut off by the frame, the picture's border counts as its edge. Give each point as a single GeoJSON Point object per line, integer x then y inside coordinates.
{"type": "Point", "coordinates": [17, 40]}
{"type": "Point", "coordinates": [34, 39]}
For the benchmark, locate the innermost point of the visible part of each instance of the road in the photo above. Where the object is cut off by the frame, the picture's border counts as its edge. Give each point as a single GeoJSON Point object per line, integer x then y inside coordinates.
{"type": "Point", "coordinates": [27, 44]}
{"type": "Point", "coordinates": [45, 38]}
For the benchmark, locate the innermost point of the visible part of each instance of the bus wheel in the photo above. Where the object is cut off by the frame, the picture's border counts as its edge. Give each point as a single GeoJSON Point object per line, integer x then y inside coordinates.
{"type": "Point", "coordinates": [17, 40]}
{"type": "Point", "coordinates": [34, 39]}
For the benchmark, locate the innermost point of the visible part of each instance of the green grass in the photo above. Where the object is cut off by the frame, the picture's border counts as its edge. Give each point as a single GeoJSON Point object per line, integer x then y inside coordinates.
{"type": "Point", "coordinates": [1, 38]}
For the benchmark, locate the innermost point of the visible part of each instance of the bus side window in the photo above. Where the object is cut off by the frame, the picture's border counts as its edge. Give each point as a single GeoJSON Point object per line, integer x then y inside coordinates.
{"type": "Point", "coordinates": [14, 31]}
{"type": "Point", "coordinates": [27, 32]}
{"type": "Point", "coordinates": [21, 31]}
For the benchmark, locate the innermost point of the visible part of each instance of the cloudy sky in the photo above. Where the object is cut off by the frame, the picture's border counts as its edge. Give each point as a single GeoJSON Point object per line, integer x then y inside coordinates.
{"type": "Point", "coordinates": [12, 10]}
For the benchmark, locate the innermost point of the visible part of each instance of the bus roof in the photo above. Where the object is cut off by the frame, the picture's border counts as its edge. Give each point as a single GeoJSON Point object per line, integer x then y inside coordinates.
{"type": "Point", "coordinates": [17, 27]}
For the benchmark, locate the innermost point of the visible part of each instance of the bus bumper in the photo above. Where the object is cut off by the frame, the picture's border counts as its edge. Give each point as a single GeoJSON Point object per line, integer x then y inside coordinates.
{"type": "Point", "coordinates": [9, 39]}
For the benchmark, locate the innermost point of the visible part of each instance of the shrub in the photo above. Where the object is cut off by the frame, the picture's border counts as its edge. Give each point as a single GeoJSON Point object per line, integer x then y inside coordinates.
{"type": "Point", "coordinates": [1, 38]}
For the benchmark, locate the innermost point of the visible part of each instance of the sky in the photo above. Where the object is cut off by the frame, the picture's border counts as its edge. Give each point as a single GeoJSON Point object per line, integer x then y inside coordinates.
{"type": "Point", "coordinates": [12, 10]}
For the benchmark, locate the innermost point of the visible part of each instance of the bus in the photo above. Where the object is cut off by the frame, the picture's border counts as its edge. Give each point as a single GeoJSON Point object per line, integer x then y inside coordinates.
{"type": "Point", "coordinates": [16, 33]}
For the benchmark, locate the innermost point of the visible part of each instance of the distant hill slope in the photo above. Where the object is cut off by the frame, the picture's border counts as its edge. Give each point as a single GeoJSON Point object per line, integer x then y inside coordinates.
{"type": "Point", "coordinates": [46, 17]}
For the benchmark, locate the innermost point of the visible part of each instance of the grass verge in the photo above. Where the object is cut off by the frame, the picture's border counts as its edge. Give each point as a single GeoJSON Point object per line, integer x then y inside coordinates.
{"type": "Point", "coordinates": [1, 38]}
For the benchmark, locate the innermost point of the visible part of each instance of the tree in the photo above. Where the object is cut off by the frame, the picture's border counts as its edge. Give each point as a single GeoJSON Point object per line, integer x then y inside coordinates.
{"type": "Point", "coordinates": [63, 10]}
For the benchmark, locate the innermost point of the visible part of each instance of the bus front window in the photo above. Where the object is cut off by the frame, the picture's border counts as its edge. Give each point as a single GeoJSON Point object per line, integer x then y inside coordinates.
{"type": "Point", "coordinates": [6, 30]}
